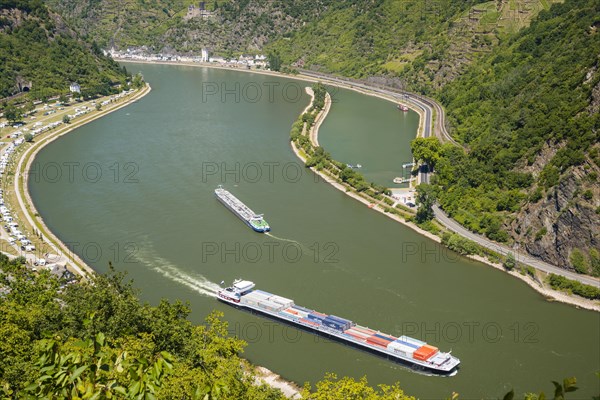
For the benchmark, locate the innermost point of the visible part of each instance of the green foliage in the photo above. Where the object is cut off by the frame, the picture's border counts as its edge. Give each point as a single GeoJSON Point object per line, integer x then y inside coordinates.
{"type": "Point", "coordinates": [510, 263]}
{"type": "Point", "coordinates": [320, 93]}
{"type": "Point", "coordinates": [578, 261]}
{"type": "Point", "coordinates": [426, 150]}
{"type": "Point", "coordinates": [32, 48]}
{"type": "Point", "coordinates": [66, 119]}
{"type": "Point", "coordinates": [541, 233]}
{"type": "Point", "coordinates": [138, 81]}
{"type": "Point", "coordinates": [426, 196]}
{"type": "Point", "coordinates": [460, 244]}
{"type": "Point", "coordinates": [28, 137]}
{"type": "Point", "coordinates": [559, 282]}
{"type": "Point", "coordinates": [560, 391]}
{"type": "Point", "coordinates": [12, 113]}
{"type": "Point", "coordinates": [274, 60]}
{"type": "Point", "coordinates": [334, 388]}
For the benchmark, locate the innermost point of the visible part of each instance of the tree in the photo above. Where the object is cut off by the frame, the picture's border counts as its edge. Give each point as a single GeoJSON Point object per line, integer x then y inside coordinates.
{"type": "Point", "coordinates": [138, 81]}
{"type": "Point", "coordinates": [426, 150]}
{"type": "Point", "coordinates": [509, 263]}
{"type": "Point", "coordinates": [66, 119]}
{"type": "Point", "coordinates": [426, 196]}
{"type": "Point", "coordinates": [28, 137]}
{"type": "Point", "coordinates": [578, 261]}
{"type": "Point", "coordinates": [274, 60]}
{"type": "Point", "coordinates": [98, 107]}
{"type": "Point", "coordinates": [29, 106]}
{"type": "Point", "coordinates": [332, 388]}
{"type": "Point", "coordinates": [12, 113]}
{"type": "Point", "coordinates": [63, 98]}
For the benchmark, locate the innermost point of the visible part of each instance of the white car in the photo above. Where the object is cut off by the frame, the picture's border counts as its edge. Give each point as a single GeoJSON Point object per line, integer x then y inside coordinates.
{"type": "Point", "coordinates": [29, 247]}
{"type": "Point", "coordinates": [40, 261]}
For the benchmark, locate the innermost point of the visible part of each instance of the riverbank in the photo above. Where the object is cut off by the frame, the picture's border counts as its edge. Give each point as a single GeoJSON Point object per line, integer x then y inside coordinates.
{"type": "Point", "coordinates": [25, 209]}
{"type": "Point", "coordinates": [536, 283]}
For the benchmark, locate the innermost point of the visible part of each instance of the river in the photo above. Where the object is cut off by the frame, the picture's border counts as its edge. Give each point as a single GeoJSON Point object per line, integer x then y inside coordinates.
{"type": "Point", "coordinates": [136, 188]}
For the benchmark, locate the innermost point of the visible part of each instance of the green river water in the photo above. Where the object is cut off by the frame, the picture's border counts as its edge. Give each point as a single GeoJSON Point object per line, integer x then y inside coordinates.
{"type": "Point", "coordinates": [136, 188]}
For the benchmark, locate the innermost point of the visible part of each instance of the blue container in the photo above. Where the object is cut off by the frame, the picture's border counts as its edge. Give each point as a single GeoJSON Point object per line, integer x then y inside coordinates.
{"type": "Point", "coordinates": [316, 318]}
{"type": "Point", "coordinates": [384, 337]}
{"type": "Point", "coordinates": [340, 324]}
{"type": "Point", "coordinates": [343, 320]}
{"type": "Point", "coordinates": [333, 325]}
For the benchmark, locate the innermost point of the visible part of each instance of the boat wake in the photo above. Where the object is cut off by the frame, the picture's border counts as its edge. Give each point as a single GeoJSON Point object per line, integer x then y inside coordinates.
{"type": "Point", "coordinates": [269, 234]}
{"type": "Point", "coordinates": [196, 282]}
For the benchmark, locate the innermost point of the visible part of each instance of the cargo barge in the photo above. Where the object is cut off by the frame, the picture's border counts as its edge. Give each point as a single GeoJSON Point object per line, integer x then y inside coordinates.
{"type": "Point", "coordinates": [253, 220]}
{"type": "Point", "coordinates": [406, 350]}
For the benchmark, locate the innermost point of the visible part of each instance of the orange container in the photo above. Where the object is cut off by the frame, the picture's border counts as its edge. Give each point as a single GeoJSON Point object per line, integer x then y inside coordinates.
{"type": "Point", "coordinates": [377, 341]}
{"type": "Point", "coordinates": [425, 352]}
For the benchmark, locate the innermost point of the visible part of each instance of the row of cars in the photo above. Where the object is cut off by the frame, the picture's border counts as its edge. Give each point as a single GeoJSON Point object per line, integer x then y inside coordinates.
{"type": "Point", "coordinates": [11, 226]}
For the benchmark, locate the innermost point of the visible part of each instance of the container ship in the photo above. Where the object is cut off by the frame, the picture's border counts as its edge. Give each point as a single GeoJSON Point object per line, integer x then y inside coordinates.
{"type": "Point", "coordinates": [253, 220]}
{"type": "Point", "coordinates": [412, 352]}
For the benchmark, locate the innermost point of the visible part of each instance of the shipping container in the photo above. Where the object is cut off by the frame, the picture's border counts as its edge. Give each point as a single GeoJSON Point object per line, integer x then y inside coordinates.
{"type": "Point", "coordinates": [409, 344]}
{"type": "Point", "coordinates": [282, 300]}
{"type": "Point", "coordinates": [290, 315]}
{"type": "Point", "coordinates": [425, 352]}
{"type": "Point", "coordinates": [377, 341]}
{"type": "Point", "coordinates": [365, 335]}
{"type": "Point", "coordinates": [408, 339]}
{"type": "Point", "coordinates": [317, 317]}
{"type": "Point", "coordinates": [333, 325]}
{"type": "Point", "coordinates": [318, 313]}
{"type": "Point", "coordinates": [358, 334]}
{"type": "Point", "coordinates": [386, 337]}
{"type": "Point", "coordinates": [344, 324]}
{"type": "Point", "coordinates": [400, 348]}
{"type": "Point", "coordinates": [269, 305]}
{"type": "Point", "coordinates": [309, 322]}
{"type": "Point", "coordinates": [354, 335]}
{"type": "Point", "coordinates": [301, 313]}
{"type": "Point", "coordinates": [255, 296]}
{"type": "Point", "coordinates": [300, 308]}
{"type": "Point", "coordinates": [343, 320]}
{"type": "Point", "coordinates": [365, 330]}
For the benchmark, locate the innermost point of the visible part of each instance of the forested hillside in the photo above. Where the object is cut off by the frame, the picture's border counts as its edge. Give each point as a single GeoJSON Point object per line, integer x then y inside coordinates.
{"type": "Point", "coordinates": [414, 44]}
{"type": "Point", "coordinates": [231, 26]}
{"type": "Point", "coordinates": [41, 54]}
{"type": "Point", "coordinates": [528, 113]}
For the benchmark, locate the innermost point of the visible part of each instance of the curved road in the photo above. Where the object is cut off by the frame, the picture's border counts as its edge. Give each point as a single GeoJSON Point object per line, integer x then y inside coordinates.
{"type": "Point", "coordinates": [428, 106]}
